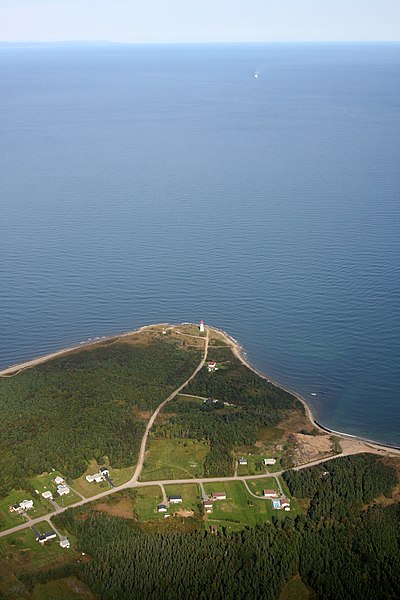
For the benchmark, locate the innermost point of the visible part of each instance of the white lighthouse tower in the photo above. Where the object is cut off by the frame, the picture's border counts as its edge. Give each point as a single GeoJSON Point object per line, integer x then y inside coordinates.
{"type": "Point", "coordinates": [201, 326]}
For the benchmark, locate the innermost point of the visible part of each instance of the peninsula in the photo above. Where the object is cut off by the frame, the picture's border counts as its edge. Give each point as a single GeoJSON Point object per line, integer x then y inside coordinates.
{"type": "Point", "coordinates": [166, 421]}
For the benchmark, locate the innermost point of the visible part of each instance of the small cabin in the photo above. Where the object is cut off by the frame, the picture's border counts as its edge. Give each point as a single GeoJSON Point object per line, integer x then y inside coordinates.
{"type": "Point", "coordinates": [64, 542]}
{"type": "Point", "coordinates": [162, 508]}
{"type": "Point", "coordinates": [269, 461]}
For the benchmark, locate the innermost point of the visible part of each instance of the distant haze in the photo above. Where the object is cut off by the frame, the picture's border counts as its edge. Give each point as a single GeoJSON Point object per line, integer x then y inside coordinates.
{"type": "Point", "coordinates": [143, 21]}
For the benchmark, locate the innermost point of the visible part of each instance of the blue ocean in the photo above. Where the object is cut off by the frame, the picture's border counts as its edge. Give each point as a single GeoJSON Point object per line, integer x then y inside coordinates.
{"type": "Point", "coordinates": [144, 184]}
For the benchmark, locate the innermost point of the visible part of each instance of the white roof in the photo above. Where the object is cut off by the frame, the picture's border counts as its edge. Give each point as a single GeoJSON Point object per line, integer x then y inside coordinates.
{"type": "Point", "coordinates": [97, 477]}
{"type": "Point", "coordinates": [64, 543]}
{"type": "Point", "coordinates": [47, 494]}
{"type": "Point", "coordinates": [269, 461]}
{"type": "Point", "coordinates": [89, 478]}
{"type": "Point", "coordinates": [26, 504]}
{"type": "Point", "coordinates": [58, 480]}
{"type": "Point", "coordinates": [63, 489]}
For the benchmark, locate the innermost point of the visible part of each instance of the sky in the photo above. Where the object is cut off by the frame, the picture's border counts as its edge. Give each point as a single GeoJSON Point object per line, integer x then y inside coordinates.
{"type": "Point", "coordinates": [148, 21]}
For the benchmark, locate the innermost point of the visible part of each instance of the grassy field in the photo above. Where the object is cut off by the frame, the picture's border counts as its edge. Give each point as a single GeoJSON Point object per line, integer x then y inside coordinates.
{"type": "Point", "coordinates": [239, 509]}
{"type": "Point", "coordinates": [69, 588]}
{"type": "Point", "coordinates": [174, 459]}
{"type": "Point", "coordinates": [258, 485]}
{"type": "Point", "coordinates": [10, 518]}
{"type": "Point", "coordinates": [23, 552]}
{"type": "Point", "coordinates": [191, 497]}
{"type": "Point", "coordinates": [147, 500]}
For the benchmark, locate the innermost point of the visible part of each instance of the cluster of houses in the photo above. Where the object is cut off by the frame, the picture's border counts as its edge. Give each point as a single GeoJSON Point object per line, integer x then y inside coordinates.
{"type": "Point", "coordinates": [62, 489]}
{"type": "Point", "coordinates": [102, 475]}
{"type": "Point", "coordinates": [23, 506]}
{"type": "Point", "coordinates": [208, 502]}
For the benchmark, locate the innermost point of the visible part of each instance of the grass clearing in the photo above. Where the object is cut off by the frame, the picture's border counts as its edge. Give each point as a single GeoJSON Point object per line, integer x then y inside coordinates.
{"type": "Point", "coordinates": [69, 588]}
{"type": "Point", "coordinates": [295, 589]}
{"type": "Point", "coordinates": [147, 500]}
{"type": "Point", "coordinates": [191, 497]}
{"type": "Point", "coordinates": [22, 552]}
{"type": "Point", "coordinates": [239, 509]}
{"type": "Point", "coordinates": [174, 459]}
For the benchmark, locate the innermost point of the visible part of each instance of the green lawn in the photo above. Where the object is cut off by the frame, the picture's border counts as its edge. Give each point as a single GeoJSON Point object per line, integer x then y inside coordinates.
{"type": "Point", "coordinates": [191, 497]}
{"type": "Point", "coordinates": [147, 500]}
{"type": "Point", "coordinates": [258, 485]}
{"type": "Point", "coordinates": [174, 459]}
{"type": "Point", "coordinates": [70, 588]}
{"type": "Point", "coordinates": [255, 464]}
{"type": "Point", "coordinates": [10, 518]}
{"type": "Point", "coordinates": [239, 509]}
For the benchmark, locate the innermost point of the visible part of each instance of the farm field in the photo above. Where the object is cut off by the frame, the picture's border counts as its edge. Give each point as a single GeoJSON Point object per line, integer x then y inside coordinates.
{"type": "Point", "coordinates": [174, 459]}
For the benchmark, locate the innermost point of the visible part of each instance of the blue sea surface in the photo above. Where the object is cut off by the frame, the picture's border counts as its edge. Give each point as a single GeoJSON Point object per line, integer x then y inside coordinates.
{"type": "Point", "coordinates": [146, 184]}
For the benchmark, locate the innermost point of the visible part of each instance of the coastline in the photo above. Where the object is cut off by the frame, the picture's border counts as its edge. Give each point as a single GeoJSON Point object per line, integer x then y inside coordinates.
{"type": "Point", "coordinates": [238, 350]}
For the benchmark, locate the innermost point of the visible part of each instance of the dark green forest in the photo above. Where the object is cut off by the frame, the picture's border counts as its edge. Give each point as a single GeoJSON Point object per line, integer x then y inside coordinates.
{"type": "Point", "coordinates": [349, 554]}
{"type": "Point", "coordinates": [257, 404]}
{"type": "Point", "coordinates": [85, 405]}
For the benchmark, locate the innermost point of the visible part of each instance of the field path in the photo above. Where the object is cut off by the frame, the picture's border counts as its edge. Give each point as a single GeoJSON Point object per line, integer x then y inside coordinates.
{"type": "Point", "coordinates": [153, 417]}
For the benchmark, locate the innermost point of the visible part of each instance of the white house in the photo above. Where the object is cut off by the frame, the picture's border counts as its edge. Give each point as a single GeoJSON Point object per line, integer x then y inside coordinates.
{"type": "Point", "coordinates": [211, 365]}
{"type": "Point", "coordinates": [58, 480]}
{"type": "Point", "coordinates": [104, 471]}
{"type": "Point", "coordinates": [47, 495]}
{"type": "Point", "coordinates": [161, 508]}
{"type": "Point", "coordinates": [89, 478]}
{"type": "Point", "coordinates": [175, 499]}
{"type": "Point", "coordinates": [26, 504]}
{"type": "Point", "coordinates": [64, 542]}
{"type": "Point", "coordinates": [44, 537]}
{"type": "Point", "coordinates": [208, 506]}
{"type": "Point", "coordinates": [269, 461]}
{"type": "Point", "coordinates": [98, 477]}
{"type": "Point", "coordinates": [242, 461]}
{"type": "Point", "coordinates": [62, 490]}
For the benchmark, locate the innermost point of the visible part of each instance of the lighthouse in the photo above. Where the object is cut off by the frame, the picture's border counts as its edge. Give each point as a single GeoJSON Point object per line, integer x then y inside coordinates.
{"type": "Point", "coordinates": [201, 327]}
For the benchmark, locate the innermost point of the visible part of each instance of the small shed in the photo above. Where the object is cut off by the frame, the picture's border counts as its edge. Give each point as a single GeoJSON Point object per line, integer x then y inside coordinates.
{"type": "Point", "coordinates": [64, 542]}
{"type": "Point", "coordinates": [161, 508]}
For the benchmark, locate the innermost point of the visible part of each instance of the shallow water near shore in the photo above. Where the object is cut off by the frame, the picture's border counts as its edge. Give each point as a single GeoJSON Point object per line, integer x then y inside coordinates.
{"type": "Point", "coordinates": [148, 184]}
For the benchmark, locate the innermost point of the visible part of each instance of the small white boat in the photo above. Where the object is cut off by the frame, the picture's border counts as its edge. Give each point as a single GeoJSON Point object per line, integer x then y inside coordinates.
{"type": "Point", "coordinates": [313, 393]}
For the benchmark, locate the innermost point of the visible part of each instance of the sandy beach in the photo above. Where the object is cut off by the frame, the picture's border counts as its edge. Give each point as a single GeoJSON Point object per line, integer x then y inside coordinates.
{"type": "Point", "coordinates": [350, 444]}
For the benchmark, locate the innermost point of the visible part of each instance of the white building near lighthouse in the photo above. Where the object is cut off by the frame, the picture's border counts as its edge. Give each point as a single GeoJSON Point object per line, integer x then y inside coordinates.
{"type": "Point", "coordinates": [201, 326]}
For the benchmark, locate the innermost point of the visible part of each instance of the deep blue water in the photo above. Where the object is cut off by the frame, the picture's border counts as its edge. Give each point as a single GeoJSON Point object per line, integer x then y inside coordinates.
{"type": "Point", "coordinates": [149, 184]}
